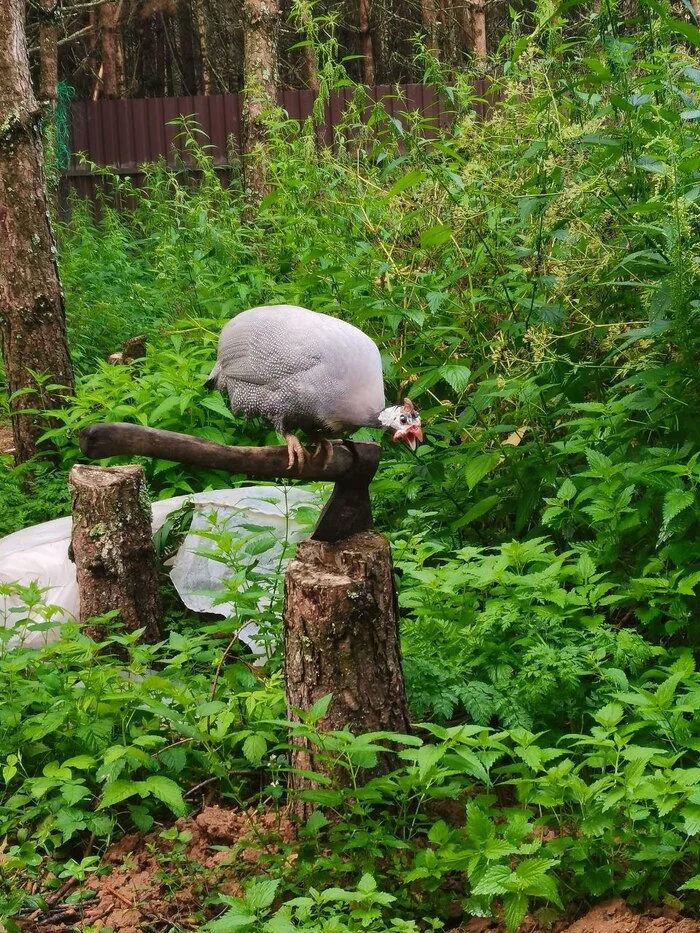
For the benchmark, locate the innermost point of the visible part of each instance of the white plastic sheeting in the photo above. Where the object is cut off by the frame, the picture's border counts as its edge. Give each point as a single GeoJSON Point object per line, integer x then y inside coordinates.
{"type": "Point", "coordinates": [276, 513]}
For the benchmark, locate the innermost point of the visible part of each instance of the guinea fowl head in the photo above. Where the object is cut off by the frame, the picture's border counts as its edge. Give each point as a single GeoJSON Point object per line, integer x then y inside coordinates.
{"type": "Point", "coordinates": [404, 421]}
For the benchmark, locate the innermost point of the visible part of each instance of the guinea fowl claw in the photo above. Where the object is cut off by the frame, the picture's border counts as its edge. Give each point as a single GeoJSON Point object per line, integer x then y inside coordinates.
{"type": "Point", "coordinates": [296, 452]}
{"type": "Point", "coordinates": [323, 444]}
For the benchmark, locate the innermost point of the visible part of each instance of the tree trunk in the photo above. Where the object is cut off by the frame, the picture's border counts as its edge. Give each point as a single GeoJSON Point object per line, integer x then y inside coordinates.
{"type": "Point", "coordinates": [464, 27]}
{"type": "Point", "coordinates": [303, 15]}
{"type": "Point", "coordinates": [478, 28]}
{"type": "Point", "coordinates": [112, 547]}
{"type": "Point", "coordinates": [32, 318]}
{"type": "Point", "coordinates": [341, 637]}
{"type": "Point", "coordinates": [261, 25]}
{"type": "Point", "coordinates": [108, 13]}
{"type": "Point", "coordinates": [366, 47]}
{"type": "Point", "coordinates": [48, 52]}
{"type": "Point", "coordinates": [185, 38]}
{"type": "Point", "coordinates": [429, 18]}
{"type": "Point", "coordinates": [203, 48]}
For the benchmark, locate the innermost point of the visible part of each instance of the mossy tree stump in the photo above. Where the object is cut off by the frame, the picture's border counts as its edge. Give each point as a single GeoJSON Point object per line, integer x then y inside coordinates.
{"type": "Point", "coordinates": [341, 637]}
{"type": "Point", "coordinates": [112, 547]}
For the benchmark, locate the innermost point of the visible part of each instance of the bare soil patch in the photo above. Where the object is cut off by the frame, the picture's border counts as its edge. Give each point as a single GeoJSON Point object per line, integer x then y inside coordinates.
{"type": "Point", "coordinates": [610, 917]}
{"type": "Point", "coordinates": [156, 884]}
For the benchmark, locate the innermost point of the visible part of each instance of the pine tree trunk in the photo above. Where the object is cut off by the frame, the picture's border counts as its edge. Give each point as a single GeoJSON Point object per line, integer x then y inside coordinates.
{"type": "Point", "coordinates": [32, 318]}
{"type": "Point", "coordinates": [341, 637]}
{"type": "Point", "coordinates": [112, 546]}
{"type": "Point", "coordinates": [48, 53]}
{"type": "Point", "coordinates": [261, 26]}
{"type": "Point", "coordinates": [366, 47]}
{"type": "Point", "coordinates": [185, 38]}
{"type": "Point", "coordinates": [203, 48]}
{"type": "Point", "coordinates": [478, 28]}
{"type": "Point", "coordinates": [108, 43]}
{"type": "Point", "coordinates": [429, 18]}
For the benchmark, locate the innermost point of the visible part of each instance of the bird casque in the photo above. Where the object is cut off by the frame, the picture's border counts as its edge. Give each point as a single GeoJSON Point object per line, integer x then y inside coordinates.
{"type": "Point", "coordinates": [301, 369]}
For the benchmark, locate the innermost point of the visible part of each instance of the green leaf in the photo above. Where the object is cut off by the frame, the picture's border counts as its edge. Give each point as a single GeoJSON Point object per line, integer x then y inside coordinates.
{"type": "Point", "coordinates": [168, 792]}
{"type": "Point", "coordinates": [261, 893]}
{"type": "Point", "coordinates": [319, 708]}
{"type": "Point", "coordinates": [117, 791]}
{"type": "Point", "coordinates": [80, 762]}
{"type": "Point", "coordinates": [436, 236]}
{"type": "Point", "coordinates": [609, 715]}
{"type": "Point", "coordinates": [533, 869]}
{"type": "Point", "coordinates": [567, 491]}
{"type": "Point", "coordinates": [480, 466]}
{"type": "Point", "coordinates": [493, 881]}
{"type": "Point", "coordinates": [254, 749]}
{"type": "Point", "coordinates": [366, 884]}
{"type": "Point", "coordinates": [280, 923]}
{"type": "Point", "coordinates": [545, 887]}
{"type": "Point", "coordinates": [692, 884]}
{"type": "Point", "coordinates": [691, 819]}
{"type": "Point", "coordinates": [514, 910]}
{"type": "Point", "coordinates": [477, 510]}
{"type": "Point", "coordinates": [675, 502]}
{"type": "Point", "coordinates": [231, 920]}
{"type": "Point", "coordinates": [479, 826]}
{"type": "Point", "coordinates": [456, 376]}
{"type": "Point", "coordinates": [691, 33]}
{"type": "Point", "coordinates": [410, 180]}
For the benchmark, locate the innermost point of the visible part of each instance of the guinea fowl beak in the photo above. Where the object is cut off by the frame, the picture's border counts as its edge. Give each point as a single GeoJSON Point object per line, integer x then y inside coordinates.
{"type": "Point", "coordinates": [412, 435]}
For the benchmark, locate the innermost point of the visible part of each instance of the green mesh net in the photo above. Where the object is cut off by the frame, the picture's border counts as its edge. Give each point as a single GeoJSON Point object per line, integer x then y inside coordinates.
{"type": "Point", "coordinates": [65, 94]}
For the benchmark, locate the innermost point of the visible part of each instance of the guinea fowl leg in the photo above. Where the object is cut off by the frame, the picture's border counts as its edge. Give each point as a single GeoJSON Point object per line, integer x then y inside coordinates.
{"type": "Point", "coordinates": [296, 452]}
{"type": "Point", "coordinates": [323, 444]}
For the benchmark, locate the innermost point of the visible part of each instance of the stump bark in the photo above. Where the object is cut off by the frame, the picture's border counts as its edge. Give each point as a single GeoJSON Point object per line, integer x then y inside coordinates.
{"type": "Point", "coordinates": [341, 637]}
{"type": "Point", "coordinates": [112, 547]}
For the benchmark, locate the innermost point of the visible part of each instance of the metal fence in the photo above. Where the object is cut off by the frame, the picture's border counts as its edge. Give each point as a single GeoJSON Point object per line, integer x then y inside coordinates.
{"type": "Point", "coordinates": [124, 134]}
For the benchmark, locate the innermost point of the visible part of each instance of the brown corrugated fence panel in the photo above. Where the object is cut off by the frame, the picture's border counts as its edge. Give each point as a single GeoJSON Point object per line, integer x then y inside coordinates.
{"type": "Point", "coordinates": [110, 135]}
{"type": "Point", "coordinates": [78, 132]}
{"type": "Point", "coordinates": [126, 133]}
{"type": "Point", "coordinates": [139, 122]}
{"type": "Point", "coordinates": [216, 131]}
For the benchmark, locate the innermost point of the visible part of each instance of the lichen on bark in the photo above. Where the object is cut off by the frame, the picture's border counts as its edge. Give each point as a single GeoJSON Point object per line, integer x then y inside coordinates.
{"type": "Point", "coordinates": [32, 317]}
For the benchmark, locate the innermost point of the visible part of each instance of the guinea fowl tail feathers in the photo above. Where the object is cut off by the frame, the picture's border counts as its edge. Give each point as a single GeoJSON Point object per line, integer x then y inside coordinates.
{"type": "Point", "coordinates": [213, 380]}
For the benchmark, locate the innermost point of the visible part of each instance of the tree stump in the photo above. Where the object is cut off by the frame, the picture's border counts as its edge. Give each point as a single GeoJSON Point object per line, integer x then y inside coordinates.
{"type": "Point", "coordinates": [112, 547]}
{"type": "Point", "coordinates": [341, 637]}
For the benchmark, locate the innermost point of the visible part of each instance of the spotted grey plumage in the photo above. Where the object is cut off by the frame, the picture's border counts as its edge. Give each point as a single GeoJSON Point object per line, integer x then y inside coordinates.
{"type": "Point", "coordinates": [301, 369]}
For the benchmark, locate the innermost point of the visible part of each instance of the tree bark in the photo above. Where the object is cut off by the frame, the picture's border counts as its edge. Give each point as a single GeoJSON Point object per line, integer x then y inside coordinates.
{"type": "Point", "coordinates": [48, 52]}
{"type": "Point", "coordinates": [203, 47]}
{"type": "Point", "coordinates": [341, 637]}
{"type": "Point", "coordinates": [366, 47]}
{"type": "Point", "coordinates": [429, 19]}
{"type": "Point", "coordinates": [32, 317]}
{"type": "Point", "coordinates": [108, 14]}
{"type": "Point", "coordinates": [112, 547]}
{"type": "Point", "coordinates": [478, 28]}
{"type": "Point", "coordinates": [261, 25]}
{"type": "Point", "coordinates": [186, 41]}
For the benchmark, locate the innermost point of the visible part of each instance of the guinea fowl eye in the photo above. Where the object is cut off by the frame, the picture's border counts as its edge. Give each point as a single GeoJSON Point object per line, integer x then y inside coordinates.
{"type": "Point", "coordinates": [403, 419]}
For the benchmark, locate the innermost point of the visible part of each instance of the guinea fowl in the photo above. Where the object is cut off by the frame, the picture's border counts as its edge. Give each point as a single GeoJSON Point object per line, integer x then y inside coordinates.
{"type": "Point", "coordinates": [301, 369]}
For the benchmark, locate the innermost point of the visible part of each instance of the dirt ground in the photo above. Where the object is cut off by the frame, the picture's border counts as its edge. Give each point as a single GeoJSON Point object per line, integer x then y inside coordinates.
{"type": "Point", "coordinates": [6, 440]}
{"type": "Point", "coordinates": [156, 884]}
